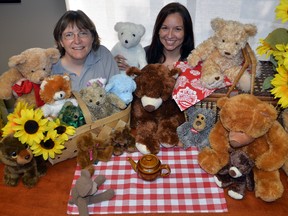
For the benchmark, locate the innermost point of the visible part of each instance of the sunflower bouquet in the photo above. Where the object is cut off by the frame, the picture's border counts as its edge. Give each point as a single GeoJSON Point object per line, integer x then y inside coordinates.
{"type": "Point", "coordinates": [45, 137]}
{"type": "Point", "coordinates": [275, 46]}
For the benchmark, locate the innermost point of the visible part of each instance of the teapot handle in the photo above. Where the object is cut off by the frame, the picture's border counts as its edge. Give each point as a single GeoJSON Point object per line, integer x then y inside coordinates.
{"type": "Point", "coordinates": [166, 167]}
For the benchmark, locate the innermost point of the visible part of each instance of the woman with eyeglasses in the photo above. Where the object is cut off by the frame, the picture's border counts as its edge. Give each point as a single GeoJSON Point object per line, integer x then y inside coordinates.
{"type": "Point", "coordinates": [82, 56]}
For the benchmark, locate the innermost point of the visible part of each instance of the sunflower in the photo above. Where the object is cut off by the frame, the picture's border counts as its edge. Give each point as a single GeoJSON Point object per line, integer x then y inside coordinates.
{"type": "Point", "coordinates": [9, 127]}
{"type": "Point", "coordinates": [280, 83]}
{"type": "Point", "coordinates": [30, 126]}
{"type": "Point", "coordinates": [281, 11]}
{"type": "Point", "coordinates": [264, 48]}
{"type": "Point", "coordinates": [281, 55]}
{"type": "Point", "coordinates": [48, 147]}
{"type": "Point", "coordinates": [63, 131]}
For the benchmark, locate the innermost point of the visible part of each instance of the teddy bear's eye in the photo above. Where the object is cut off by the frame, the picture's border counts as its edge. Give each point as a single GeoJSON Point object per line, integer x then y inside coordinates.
{"type": "Point", "coordinates": [133, 35]}
{"type": "Point", "coordinates": [122, 33]}
{"type": "Point", "coordinates": [101, 95]}
{"type": "Point", "coordinates": [75, 116]}
{"type": "Point", "coordinates": [90, 100]}
{"type": "Point", "coordinates": [236, 44]}
{"type": "Point", "coordinates": [13, 154]}
{"type": "Point", "coordinates": [32, 71]}
{"type": "Point", "coordinates": [223, 40]}
{"type": "Point", "coordinates": [44, 69]}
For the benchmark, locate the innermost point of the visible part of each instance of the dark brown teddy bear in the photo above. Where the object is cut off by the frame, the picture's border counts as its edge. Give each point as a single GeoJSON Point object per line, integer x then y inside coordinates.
{"type": "Point", "coordinates": [237, 175]}
{"type": "Point", "coordinates": [20, 162]}
{"type": "Point", "coordinates": [154, 114]}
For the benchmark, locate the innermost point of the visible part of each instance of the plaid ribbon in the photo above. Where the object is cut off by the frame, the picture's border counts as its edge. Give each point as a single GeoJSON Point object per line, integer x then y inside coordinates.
{"type": "Point", "coordinates": [187, 189]}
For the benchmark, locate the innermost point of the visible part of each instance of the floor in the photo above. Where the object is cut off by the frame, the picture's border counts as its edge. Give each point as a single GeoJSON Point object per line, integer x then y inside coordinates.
{"type": "Point", "coordinates": [49, 197]}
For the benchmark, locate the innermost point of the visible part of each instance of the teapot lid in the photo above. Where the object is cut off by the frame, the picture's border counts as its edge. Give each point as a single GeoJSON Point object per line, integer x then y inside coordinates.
{"type": "Point", "coordinates": [149, 161]}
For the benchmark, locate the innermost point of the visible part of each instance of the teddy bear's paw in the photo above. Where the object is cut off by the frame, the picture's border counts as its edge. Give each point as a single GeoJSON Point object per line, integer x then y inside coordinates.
{"type": "Point", "coordinates": [218, 182]}
{"type": "Point", "coordinates": [29, 181]}
{"type": "Point", "coordinates": [211, 81]}
{"type": "Point", "coordinates": [235, 195]}
{"type": "Point", "coordinates": [245, 82]}
{"type": "Point", "coordinates": [209, 161]}
{"type": "Point", "coordinates": [8, 180]}
{"type": "Point", "coordinates": [168, 145]}
{"type": "Point", "coordinates": [269, 191]}
{"type": "Point", "coordinates": [193, 60]}
{"type": "Point", "coordinates": [142, 148]}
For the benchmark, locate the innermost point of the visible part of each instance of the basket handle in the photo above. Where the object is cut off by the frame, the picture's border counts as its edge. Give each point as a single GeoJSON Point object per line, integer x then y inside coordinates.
{"type": "Point", "coordinates": [84, 108]}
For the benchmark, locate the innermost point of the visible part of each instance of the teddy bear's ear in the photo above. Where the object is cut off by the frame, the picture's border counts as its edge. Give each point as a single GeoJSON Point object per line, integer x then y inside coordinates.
{"type": "Point", "coordinates": [66, 77]}
{"type": "Point", "coordinates": [16, 60]}
{"type": "Point", "coordinates": [118, 26]}
{"type": "Point", "coordinates": [250, 29]}
{"type": "Point", "coordinates": [141, 29]}
{"type": "Point", "coordinates": [222, 101]}
{"type": "Point", "coordinates": [133, 71]}
{"type": "Point", "coordinates": [217, 23]}
{"type": "Point", "coordinates": [175, 72]}
{"type": "Point", "coordinates": [53, 54]}
{"type": "Point", "coordinates": [42, 86]}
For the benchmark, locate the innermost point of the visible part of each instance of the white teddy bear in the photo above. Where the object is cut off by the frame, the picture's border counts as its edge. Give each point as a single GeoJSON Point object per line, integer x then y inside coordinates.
{"type": "Point", "coordinates": [129, 35]}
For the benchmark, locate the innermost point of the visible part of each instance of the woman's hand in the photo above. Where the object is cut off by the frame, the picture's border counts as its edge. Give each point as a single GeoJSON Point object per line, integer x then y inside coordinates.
{"type": "Point", "coordinates": [121, 62]}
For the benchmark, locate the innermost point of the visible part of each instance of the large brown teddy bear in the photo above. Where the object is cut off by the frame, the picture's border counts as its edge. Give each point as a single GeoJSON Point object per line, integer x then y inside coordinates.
{"type": "Point", "coordinates": [154, 113]}
{"type": "Point", "coordinates": [221, 54]}
{"type": "Point", "coordinates": [26, 73]}
{"type": "Point", "coordinates": [251, 125]}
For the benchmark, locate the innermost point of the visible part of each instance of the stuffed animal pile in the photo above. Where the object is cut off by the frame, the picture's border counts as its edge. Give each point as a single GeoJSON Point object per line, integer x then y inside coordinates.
{"type": "Point", "coordinates": [249, 124]}
{"type": "Point", "coordinates": [221, 54]}
{"type": "Point", "coordinates": [154, 113]}
{"type": "Point", "coordinates": [129, 35]}
{"type": "Point", "coordinates": [26, 73]}
{"type": "Point", "coordinates": [55, 90]}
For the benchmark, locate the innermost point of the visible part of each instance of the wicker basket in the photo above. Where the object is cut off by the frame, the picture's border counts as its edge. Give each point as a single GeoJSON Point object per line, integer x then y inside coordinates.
{"type": "Point", "coordinates": [101, 128]}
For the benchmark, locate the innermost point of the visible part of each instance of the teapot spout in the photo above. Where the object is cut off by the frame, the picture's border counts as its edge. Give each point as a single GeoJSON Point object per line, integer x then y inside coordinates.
{"type": "Point", "coordinates": [133, 163]}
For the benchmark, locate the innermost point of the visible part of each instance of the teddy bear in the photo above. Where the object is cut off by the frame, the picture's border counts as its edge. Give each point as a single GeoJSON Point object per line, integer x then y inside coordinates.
{"type": "Point", "coordinates": [247, 123]}
{"type": "Point", "coordinates": [85, 193]}
{"type": "Point", "coordinates": [20, 162]}
{"type": "Point", "coordinates": [194, 132]}
{"type": "Point", "coordinates": [91, 149]}
{"type": "Point", "coordinates": [122, 86]}
{"type": "Point", "coordinates": [55, 90]}
{"type": "Point", "coordinates": [25, 74]}
{"type": "Point", "coordinates": [100, 103]}
{"type": "Point", "coordinates": [221, 54]}
{"type": "Point", "coordinates": [237, 175]}
{"type": "Point", "coordinates": [71, 115]}
{"type": "Point", "coordinates": [154, 114]}
{"type": "Point", "coordinates": [122, 141]}
{"type": "Point", "coordinates": [129, 35]}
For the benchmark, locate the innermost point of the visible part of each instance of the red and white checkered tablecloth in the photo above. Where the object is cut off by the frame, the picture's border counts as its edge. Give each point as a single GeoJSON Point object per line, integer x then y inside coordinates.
{"type": "Point", "coordinates": [187, 189]}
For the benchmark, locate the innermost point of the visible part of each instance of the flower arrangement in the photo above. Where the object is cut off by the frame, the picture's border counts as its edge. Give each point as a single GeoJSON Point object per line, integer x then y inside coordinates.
{"type": "Point", "coordinates": [45, 137]}
{"type": "Point", "coordinates": [275, 46]}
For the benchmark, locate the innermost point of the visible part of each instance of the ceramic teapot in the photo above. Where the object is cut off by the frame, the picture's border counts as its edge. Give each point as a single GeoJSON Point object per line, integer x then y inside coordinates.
{"type": "Point", "coordinates": [149, 167]}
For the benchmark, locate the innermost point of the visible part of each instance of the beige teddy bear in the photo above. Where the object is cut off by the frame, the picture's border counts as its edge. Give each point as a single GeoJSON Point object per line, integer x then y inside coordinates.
{"type": "Point", "coordinates": [221, 54]}
{"type": "Point", "coordinates": [27, 71]}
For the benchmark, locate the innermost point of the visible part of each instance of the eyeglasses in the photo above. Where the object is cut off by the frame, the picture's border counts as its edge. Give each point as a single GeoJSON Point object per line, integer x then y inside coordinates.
{"type": "Point", "coordinates": [71, 35]}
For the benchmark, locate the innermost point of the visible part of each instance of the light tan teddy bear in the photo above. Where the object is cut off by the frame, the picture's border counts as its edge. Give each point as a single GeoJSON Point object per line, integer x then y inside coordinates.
{"type": "Point", "coordinates": [27, 71]}
{"type": "Point", "coordinates": [221, 54]}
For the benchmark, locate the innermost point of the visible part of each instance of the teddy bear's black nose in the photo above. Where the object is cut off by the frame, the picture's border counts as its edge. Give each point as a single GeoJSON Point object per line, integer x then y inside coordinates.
{"type": "Point", "coordinates": [227, 53]}
{"type": "Point", "coordinates": [126, 41]}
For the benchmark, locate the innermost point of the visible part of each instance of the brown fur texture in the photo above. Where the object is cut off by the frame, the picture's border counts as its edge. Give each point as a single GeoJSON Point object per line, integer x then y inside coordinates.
{"type": "Point", "coordinates": [19, 162]}
{"type": "Point", "coordinates": [91, 150]}
{"type": "Point", "coordinates": [123, 141]}
{"type": "Point", "coordinates": [154, 114]}
{"type": "Point", "coordinates": [33, 64]}
{"type": "Point", "coordinates": [221, 54]}
{"type": "Point", "coordinates": [247, 114]}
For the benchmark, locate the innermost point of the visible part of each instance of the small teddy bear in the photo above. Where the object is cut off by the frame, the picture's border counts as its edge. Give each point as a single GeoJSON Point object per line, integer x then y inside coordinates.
{"type": "Point", "coordinates": [55, 90]}
{"type": "Point", "coordinates": [19, 162]}
{"type": "Point", "coordinates": [100, 103]}
{"type": "Point", "coordinates": [195, 131]}
{"type": "Point", "coordinates": [26, 73]}
{"type": "Point", "coordinates": [71, 115]}
{"type": "Point", "coordinates": [237, 174]}
{"type": "Point", "coordinates": [221, 54]}
{"type": "Point", "coordinates": [123, 141]}
{"type": "Point", "coordinates": [122, 86]}
{"type": "Point", "coordinates": [85, 193]}
{"type": "Point", "coordinates": [129, 35]}
{"type": "Point", "coordinates": [91, 150]}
